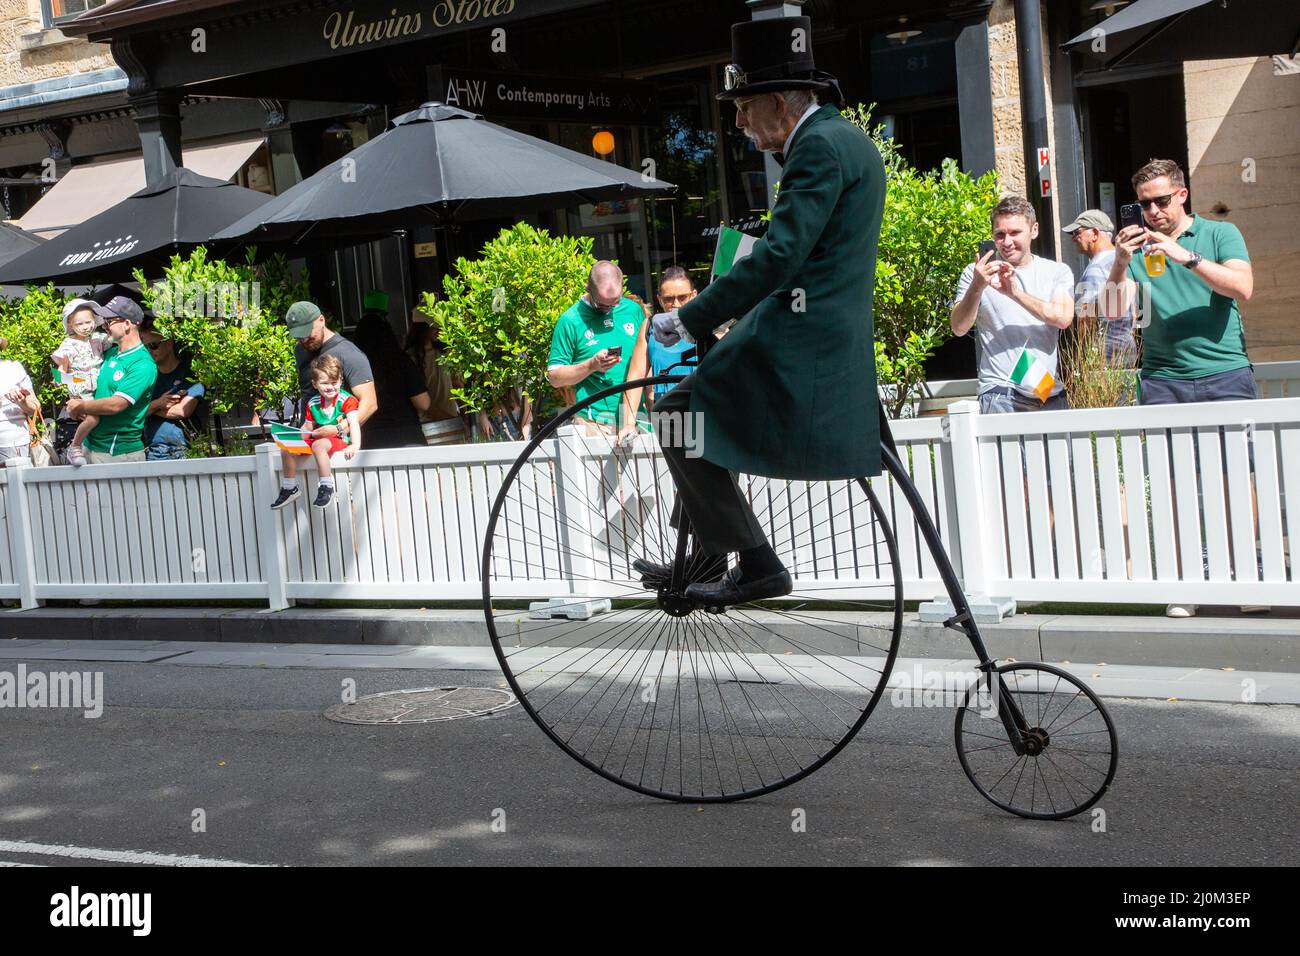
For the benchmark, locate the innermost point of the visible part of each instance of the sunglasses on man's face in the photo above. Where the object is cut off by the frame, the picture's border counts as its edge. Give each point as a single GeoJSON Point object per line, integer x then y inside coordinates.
{"type": "Point", "coordinates": [154, 346]}
{"type": "Point", "coordinates": [1161, 201]}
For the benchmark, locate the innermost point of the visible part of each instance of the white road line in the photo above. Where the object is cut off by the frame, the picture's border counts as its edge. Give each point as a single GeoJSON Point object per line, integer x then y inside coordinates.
{"type": "Point", "coordinates": [34, 866]}
{"type": "Point", "coordinates": [140, 857]}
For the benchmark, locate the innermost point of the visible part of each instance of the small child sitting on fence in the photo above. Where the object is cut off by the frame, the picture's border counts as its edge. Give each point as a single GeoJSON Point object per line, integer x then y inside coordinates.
{"type": "Point", "coordinates": [78, 359]}
{"type": "Point", "coordinates": [333, 424]}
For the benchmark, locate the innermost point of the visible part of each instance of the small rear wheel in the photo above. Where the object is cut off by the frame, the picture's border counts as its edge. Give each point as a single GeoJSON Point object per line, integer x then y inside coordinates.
{"type": "Point", "coordinates": [1070, 749]}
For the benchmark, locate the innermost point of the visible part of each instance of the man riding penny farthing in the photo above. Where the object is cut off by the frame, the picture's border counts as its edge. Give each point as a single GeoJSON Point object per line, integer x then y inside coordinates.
{"type": "Point", "coordinates": [790, 392]}
{"type": "Point", "coordinates": [657, 660]}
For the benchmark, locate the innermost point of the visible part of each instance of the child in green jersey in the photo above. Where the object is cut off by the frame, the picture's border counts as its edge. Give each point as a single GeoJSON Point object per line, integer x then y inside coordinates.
{"type": "Point", "coordinates": [333, 424]}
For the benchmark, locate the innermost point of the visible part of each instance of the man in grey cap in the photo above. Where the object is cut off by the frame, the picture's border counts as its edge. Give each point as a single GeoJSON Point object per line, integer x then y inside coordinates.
{"type": "Point", "coordinates": [1093, 234]}
{"type": "Point", "coordinates": [307, 325]}
{"type": "Point", "coordinates": [122, 392]}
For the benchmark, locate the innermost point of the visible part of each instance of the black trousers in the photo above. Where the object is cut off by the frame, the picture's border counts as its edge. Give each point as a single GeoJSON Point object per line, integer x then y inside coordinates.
{"type": "Point", "coordinates": [720, 516]}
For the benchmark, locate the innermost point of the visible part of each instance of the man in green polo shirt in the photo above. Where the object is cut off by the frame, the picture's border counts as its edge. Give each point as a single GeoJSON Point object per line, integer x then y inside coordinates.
{"type": "Point", "coordinates": [1193, 346]}
{"type": "Point", "coordinates": [1196, 271]}
{"type": "Point", "coordinates": [592, 347]}
{"type": "Point", "coordinates": [124, 388]}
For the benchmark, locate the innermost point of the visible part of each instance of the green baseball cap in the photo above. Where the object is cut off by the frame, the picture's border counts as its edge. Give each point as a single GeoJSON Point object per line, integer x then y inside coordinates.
{"type": "Point", "coordinates": [300, 318]}
{"type": "Point", "coordinates": [376, 300]}
{"type": "Point", "coordinates": [1091, 219]}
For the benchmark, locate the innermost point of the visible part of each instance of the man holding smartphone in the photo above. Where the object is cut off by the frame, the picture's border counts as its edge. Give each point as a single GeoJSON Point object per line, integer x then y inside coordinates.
{"type": "Point", "coordinates": [1197, 270]}
{"type": "Point", "coordinates": [591, 348]}
{"type": "Point", "coordinates": [1017, 302]}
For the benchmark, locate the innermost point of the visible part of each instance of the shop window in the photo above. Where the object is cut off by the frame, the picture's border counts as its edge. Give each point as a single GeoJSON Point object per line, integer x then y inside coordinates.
{"type": "Point", "coordinates": [923, 64]}
{"type": "Point", "coordinates": [926, 137]}
{"type": "Point", "coordinates": [616, 226]}
{"type": "Point", "coordinates": [58, 11]}
{"type": "Point", "coordinates": [684, 148]}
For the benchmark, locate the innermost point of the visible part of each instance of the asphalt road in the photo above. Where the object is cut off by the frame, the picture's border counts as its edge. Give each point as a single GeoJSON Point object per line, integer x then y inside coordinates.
{"type": "Point", "coordinates": [1198, 783]}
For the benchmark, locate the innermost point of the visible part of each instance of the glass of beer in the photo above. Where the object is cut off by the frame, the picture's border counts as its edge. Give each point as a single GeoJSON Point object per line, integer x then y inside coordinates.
{"type": "Point", "coordinates": [1154, 262]}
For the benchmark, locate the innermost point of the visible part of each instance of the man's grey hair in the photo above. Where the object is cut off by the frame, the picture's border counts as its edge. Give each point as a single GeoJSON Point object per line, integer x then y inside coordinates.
{"type": "Point", "coordinates": [798, 101]}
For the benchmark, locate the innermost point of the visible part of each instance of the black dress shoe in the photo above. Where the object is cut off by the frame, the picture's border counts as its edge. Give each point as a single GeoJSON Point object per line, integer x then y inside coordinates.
{"type": "Point", "coordinates": [733, 589]}
{"type": "Point", "coordinates": [650, 571]}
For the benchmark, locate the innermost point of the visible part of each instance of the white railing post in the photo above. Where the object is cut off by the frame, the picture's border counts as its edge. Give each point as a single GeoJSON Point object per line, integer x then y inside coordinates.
{"type": "Point", "coordinates": [20, 533]}
{"type": "Point", "coordinates": [575, 517]}
{"type": "Point", "coordinates": [574, 514]}
{"type": "Point", "coordinates": [968, 494]}
{"type": "Point", "coordinates": [270, 540]}
{"type": "Point", "coordinates": [961, 431]}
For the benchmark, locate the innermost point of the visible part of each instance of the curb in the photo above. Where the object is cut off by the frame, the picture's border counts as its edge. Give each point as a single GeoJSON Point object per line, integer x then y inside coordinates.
{"type": "Point", "coordinates": [1257, 644]}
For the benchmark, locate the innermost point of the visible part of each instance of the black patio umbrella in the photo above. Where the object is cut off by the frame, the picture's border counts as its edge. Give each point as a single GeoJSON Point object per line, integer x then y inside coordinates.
{"type": "Point", "coordinates": [179, 212]}
{"type": "Point", "coordinates": [1171, 31]}
{"type": "Point", "coordinates": [14, 242]}
{"type": "Point", "coordinates": [438, 164]}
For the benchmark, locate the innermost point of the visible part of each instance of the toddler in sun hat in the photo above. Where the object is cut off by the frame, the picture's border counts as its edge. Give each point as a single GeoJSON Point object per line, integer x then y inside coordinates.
{"type": "Point", "coordinates": [77, 361]}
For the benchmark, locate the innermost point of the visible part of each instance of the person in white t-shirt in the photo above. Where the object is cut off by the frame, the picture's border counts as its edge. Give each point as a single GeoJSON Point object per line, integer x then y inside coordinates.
{"type": "Point", "coordinates": [1015, 301]}
{"type": "Point", "coordinates": [17, 402]}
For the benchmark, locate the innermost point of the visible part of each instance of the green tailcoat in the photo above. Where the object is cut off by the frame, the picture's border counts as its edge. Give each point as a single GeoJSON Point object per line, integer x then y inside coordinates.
{"type": "Point", "coordinates": [790, 392]}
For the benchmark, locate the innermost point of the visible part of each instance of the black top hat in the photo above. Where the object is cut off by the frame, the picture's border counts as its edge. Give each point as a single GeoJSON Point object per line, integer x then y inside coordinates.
{"type": "Point", "coordinates": [768, 56]}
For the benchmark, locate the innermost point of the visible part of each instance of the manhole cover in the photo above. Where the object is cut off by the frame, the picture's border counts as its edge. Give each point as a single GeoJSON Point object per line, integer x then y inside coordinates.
{"type": "Point", "coordinates": [422, 705]}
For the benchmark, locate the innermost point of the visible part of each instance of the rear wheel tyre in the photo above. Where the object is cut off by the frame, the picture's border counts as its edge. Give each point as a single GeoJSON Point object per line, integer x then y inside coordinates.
{"type": "Point", "coordinates": [1073, 749]}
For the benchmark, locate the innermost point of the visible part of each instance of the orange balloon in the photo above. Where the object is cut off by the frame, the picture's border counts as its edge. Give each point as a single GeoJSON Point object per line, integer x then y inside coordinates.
{"type": "Point", "coordinates": [603, 142]}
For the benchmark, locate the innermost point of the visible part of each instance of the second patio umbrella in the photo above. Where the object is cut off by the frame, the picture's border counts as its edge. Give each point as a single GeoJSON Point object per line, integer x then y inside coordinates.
{"type": "Point", "coordinates": [174, 215]}
{"type": "Point", "coordinates": [438, 164]}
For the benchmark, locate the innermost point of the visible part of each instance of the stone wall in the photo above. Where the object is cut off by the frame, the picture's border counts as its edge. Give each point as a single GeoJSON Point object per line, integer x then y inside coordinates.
{"type": "Point", "coordinates": [1004, 67]}
{"type": "Point", "coordinates": [1243, 148]}
{"type": "Point", "coordinates": [28, 53]}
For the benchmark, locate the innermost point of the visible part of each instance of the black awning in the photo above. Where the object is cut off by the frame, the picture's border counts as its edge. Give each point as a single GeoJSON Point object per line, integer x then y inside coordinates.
{"type": "Point", "coordinates": [1172, 31]}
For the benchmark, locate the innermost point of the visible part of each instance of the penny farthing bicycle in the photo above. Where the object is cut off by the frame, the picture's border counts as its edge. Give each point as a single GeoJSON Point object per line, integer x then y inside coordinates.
{"type": "Point", "coordinates": [671, 699]}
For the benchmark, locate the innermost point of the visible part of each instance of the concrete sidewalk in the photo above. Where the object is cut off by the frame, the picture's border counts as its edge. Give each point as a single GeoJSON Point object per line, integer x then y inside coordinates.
{"type": "Point", "coordinates": [1107, 680]}
{"type": "Point", "coordinates": [1265, 644]}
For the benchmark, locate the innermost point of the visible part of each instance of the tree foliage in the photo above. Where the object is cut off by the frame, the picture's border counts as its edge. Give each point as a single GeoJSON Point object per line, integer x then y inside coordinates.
{"type": "Point", "coordinates": [933, 222]}
{"type": "Point", "coordinates": [498, 312]}
{"type": "Point", "coordinates": [33, 327]}
{"type": "Point", "coordinates": [229, 318]}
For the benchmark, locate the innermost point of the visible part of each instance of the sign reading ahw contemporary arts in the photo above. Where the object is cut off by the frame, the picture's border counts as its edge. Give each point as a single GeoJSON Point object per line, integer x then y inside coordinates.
{"type": "Point", "coordinates": [538, 96]}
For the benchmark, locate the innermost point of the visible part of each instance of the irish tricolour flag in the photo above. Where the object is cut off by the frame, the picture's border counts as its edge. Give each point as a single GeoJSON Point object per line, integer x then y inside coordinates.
{"type": "Point", "coordinates": [1031, 375]}
{"type": "Point", "coordinates": [733, 245]}
{"type": "Point", "coordinates": [290, 439]}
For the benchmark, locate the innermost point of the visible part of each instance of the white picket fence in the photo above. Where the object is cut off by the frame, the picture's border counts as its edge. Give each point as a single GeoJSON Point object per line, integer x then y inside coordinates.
{"type": "Point", "coordinates": [1197, 503]}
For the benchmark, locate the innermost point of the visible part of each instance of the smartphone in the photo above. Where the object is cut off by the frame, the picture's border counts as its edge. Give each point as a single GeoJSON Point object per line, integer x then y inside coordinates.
{"type": "Point", "coordinates": [616, 352]}
{"type": "Point", "coordinates": [987, 246]}
{"type": "Point", "coordinates": [1130, 214]}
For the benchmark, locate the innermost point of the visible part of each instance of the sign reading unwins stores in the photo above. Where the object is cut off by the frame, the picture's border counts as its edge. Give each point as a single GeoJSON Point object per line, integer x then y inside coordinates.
{"type": "Point", "coordinates": [369, 23]}
{"type": "Point", "coordinates": [537, 96]}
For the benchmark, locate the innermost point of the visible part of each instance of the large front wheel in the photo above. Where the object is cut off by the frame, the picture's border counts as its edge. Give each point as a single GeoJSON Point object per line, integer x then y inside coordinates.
{"type": "Point", "coordinates": [638, 685]}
